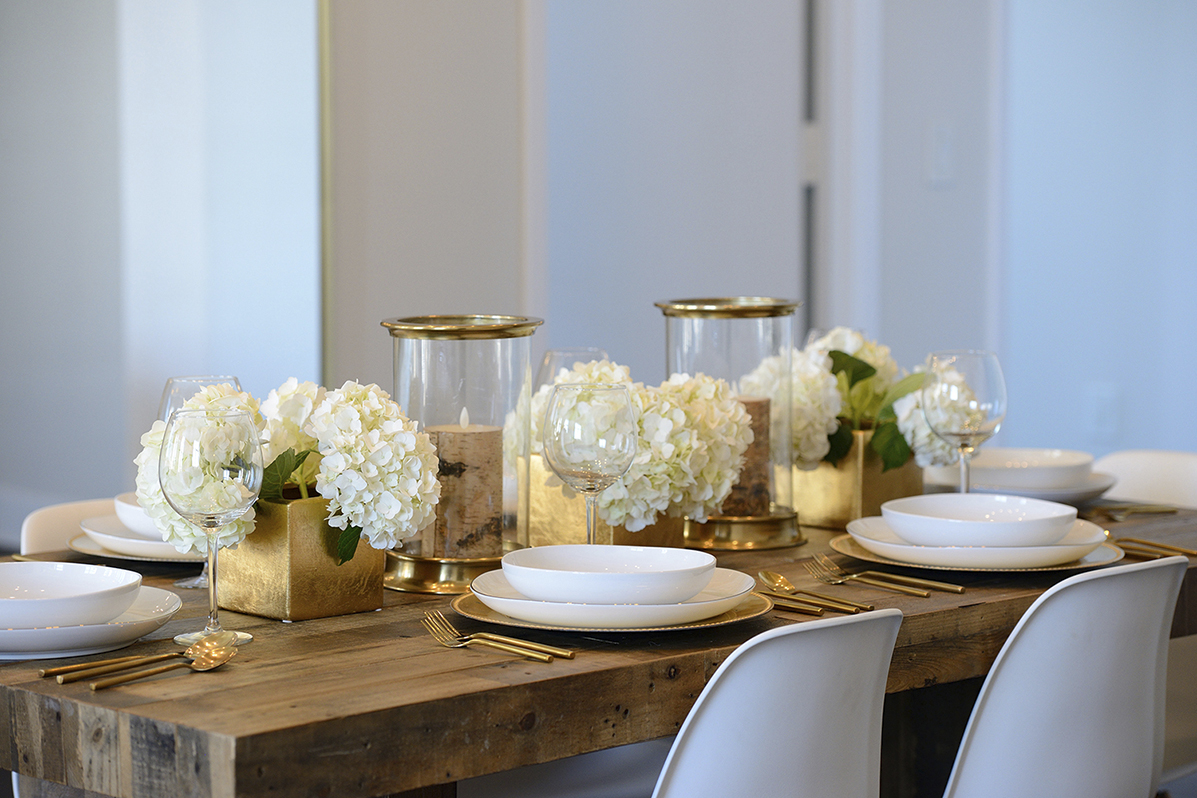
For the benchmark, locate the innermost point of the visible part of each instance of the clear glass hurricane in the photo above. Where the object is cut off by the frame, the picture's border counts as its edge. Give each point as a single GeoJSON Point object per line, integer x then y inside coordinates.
{"type": "Point", "coordinates": [210, 468]}
{"type": "Point", "coordinates": [176, 393]}
{"type": "Point", "coordinates": [590, 439]}
{"type": "Point", "coordinates": [964, 401]}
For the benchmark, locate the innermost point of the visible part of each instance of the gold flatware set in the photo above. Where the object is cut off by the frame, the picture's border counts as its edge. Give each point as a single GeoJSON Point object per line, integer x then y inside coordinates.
{"type": "Point", "coordinates": [447, 635]}
{"type": "Point", "coordinates": [1149, 550]}
{"type": "Point", "coordinates": [827, 571]}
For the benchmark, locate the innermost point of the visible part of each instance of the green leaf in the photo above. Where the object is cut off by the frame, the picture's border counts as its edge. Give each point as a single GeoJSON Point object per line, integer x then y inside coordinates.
{"type": "Point", "coordinates": [275, 476]}
{"type": "Point", "coordinates": [855, 368]}
{"type": "Point", "coordinates": [889, 443]}
{"type": "Point", "coordinates": [908, 384]}
{"type": "Point", "coordinates": [347, 544]}
{"type": "Point", "coordinates": [841, 442]}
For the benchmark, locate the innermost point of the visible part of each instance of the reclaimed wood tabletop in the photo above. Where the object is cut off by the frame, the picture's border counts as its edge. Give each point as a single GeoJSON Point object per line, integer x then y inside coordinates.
{"type": "Point", "coordinates": [370, 705]}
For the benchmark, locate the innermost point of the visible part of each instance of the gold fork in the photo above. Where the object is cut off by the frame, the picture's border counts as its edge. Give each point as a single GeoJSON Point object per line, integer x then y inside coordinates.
{"type": "Point", "coordinates": [826, 577]}
{"type": "Point", "coordinates": [438, 618]}
{"type": "Point", "coordinates": [452, 642]}
{"type": "Point", "coordinates": [913, 581]}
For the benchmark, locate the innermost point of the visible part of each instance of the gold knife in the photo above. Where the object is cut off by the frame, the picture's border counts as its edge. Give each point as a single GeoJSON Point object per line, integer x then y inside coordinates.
{"type": "Point", "coordinates": [915, 581]}
{"type": "Point", "coordinates": [792, 605]}
{"type": "Point", "coordinates": [817, 601]}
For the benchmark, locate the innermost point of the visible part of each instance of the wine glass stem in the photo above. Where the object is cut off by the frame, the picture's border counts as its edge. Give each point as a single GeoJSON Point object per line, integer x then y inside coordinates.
{"type": "Point", "coordinates": [591, 499]}
{"type": "Point", "coordinates": [965, 454]}
{"type": "Point", "coordinates": [213, 548]}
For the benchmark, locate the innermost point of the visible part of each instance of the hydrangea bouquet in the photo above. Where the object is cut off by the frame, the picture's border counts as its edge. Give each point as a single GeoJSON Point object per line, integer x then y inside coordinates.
{"type": "Point", "coordinates": [353, 444]}
{"type": "Point", "coordinates": [692, 435]}
{"type": "Point", "coordinates": [843, 382]}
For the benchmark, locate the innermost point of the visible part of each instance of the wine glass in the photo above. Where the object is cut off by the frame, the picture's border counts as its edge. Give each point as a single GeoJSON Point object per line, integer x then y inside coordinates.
{"type": "Point", "coordinates": [590, 439]}
{"type": "Point", "coordinates": [211, 473]}
{"type": "Point", "coordinates": [177, 391]}
{"type": "Point", "coordinates": [556, 359]}
{"type": "Point", "coordinates": [964, 401]}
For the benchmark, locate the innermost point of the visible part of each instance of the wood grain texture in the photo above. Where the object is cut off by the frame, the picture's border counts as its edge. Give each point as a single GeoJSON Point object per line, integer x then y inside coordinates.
{"type": "Point", "coordinates": [370, 705]}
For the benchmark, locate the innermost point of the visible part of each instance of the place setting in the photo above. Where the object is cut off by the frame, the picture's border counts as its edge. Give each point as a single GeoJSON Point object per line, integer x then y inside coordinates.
{"type": "Point", "coordinates": [58, 609]}
{"type": "Point", "coordinates": [984, 526]}
{"type": "Point", "coordinates": [127, 534]}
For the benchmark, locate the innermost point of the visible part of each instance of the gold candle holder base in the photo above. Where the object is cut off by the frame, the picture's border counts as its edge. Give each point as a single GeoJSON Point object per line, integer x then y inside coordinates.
{"type": "Point", "coordinates": [777, 530]}
{"type": "Point", "coordinates": [439, 575]}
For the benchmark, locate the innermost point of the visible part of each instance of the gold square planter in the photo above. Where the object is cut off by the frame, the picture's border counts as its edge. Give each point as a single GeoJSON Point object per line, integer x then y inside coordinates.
{"type": "Point", "coordinates": [287, 567]}
{"type": "Point", "coordinates": [832, 495]}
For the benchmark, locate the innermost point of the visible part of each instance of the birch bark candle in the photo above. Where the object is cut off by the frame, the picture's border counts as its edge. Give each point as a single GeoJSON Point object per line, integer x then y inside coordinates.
{"type": "Point", "coordinates": [469, 517]}
{"type": "Point", "coordinates": [750, 495]}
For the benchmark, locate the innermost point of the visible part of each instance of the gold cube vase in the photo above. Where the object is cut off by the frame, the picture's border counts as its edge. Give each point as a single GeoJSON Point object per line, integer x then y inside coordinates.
{"type": "Point", "coordinates": [287, 568]}
{"type": "Point", "coordinates": [832, 495]}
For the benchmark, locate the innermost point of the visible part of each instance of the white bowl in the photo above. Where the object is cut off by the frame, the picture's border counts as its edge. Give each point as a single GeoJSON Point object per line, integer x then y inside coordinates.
{"type": "Point", "coordinates": [1022, 469]}
{"type": "Point", "coordinates": [977, 519]}
{"type": "Point", "coordinates": [135, 518]}
{"type": "Point", "coordinates": [585, 574]}
{"type": "Point", "coordinates": [40, 594]}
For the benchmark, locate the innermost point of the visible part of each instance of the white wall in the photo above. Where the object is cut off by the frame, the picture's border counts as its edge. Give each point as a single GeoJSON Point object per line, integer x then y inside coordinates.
{"type": "Point", "coordinates": [427, 171]}
{"type": "Point", "coordinates": [1101, 242]}
{"type": "Point", "coordinates": [61, 391]}
{"type": "Point", "coordinates": [158, 216]}
{"type": "Point", "coordinates": [674, 146]}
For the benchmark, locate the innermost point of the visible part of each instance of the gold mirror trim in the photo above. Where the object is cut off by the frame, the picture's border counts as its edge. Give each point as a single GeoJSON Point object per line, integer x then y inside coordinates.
{"type": "Point", "coordinates": [443, 328]}
{"type": "Point", "coordinates": [743, 307]}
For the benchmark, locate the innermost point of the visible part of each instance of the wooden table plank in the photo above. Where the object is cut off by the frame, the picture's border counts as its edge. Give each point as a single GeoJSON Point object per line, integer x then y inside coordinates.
{"type": "Point", "coordinates": [368, 704]}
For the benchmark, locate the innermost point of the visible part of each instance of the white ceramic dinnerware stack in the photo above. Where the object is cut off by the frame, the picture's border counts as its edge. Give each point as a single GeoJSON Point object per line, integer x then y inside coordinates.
{"type": "Point", "coordinates": [610, 587]}
{"type": "Point", "coordinates": [1058, 475]}
{"type": "Point", "coordinates": [127, 533]}
{"type": "Point", "coordinates": [977, 531]}
{"type": "Point", "coordinates": [59, 609]}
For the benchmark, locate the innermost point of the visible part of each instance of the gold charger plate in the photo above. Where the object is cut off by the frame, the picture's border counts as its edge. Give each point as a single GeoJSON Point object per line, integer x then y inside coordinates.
{"type": "Point", "coordinates": [85, 545]}
{"type": "Point", "coordinates": [1105, 554]}
{"type": "Point", "coordinates": [753, 605]}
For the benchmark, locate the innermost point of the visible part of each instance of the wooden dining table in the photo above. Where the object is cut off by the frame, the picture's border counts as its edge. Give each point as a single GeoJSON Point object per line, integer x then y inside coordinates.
{"type": "Point", "coordinates": [370, 705]}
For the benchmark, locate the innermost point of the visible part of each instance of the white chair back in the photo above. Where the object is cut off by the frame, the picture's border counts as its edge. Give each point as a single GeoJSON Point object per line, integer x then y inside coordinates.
{"type": "Point", "coordinates": [50, 528]}
{"type": "Point", "coordinates": [1073, 705]}
{"type": "Point", "coordinates": [795, 711]}
{"type": "Point", "coordinates": [1152, 475]}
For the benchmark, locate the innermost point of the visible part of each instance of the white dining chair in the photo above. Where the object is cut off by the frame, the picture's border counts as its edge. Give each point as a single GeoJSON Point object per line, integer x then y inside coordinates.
{"type": "Point", "coordinates": [1166, 477]}
{"type": "Point", "coordinates": [1152, 475]}
{"type": "Point", "coordinates": [51, 528]}
{"type": "Point", "coordinates": [1073, 705]}
{"type": "Point", "coordinates": [795, 710]}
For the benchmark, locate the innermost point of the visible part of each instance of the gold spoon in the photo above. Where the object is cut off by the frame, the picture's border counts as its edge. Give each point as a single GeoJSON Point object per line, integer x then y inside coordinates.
{"type": "Point", "coordinates": [222, 639]}
{"type": "Point", "coordinates": [778, 582]}
{"type": "Point", "coordinates": [205, 661]}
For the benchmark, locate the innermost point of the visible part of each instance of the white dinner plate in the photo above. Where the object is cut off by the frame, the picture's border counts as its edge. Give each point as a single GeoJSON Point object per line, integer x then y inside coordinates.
{"type": "Point", "coordinates": [874, 535]}
{"type": "Point", "coordinates": [751, 605]}
{"type": "Point", "coordinates": [150, 610]}
{"type": "Point", "coordinates": [725, 590]}
{"type": "Point", "coordinates": [1092, 488]}
{"type": "Point", "coordinates": [109, 533]}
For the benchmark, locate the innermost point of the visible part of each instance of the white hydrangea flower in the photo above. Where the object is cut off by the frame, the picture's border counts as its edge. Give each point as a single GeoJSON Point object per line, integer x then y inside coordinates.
{"type": "Point", "coordinates": [814, 397]}
{"type": "Point", "coordinates": [377, 471]}
{"type": "Point", "coordinates": [288, 411]}
{"type": "Point", "coordinates": [854, 343]}
{"type": "Point", "coordinates": [930, 449]}
{"type": "Point", "coordinates": [692, 435]}
{"type": "Point", "coordinates": [596, 371]}
{"type": "Point", "coordinates": [177, 531]}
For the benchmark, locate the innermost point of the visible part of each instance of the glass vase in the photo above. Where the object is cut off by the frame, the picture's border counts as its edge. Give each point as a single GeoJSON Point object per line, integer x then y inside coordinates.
{"type": "Point", "coordinates": [467, 381]}
{"type": "Point", "coordinates": [749, 342]}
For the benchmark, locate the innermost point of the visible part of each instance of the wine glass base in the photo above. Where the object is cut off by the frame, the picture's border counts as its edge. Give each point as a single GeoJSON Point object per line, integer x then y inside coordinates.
{"type": "Point", "coordinates": [191, 638]}
{"type": "Point", "coordinates": [200, 581]}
